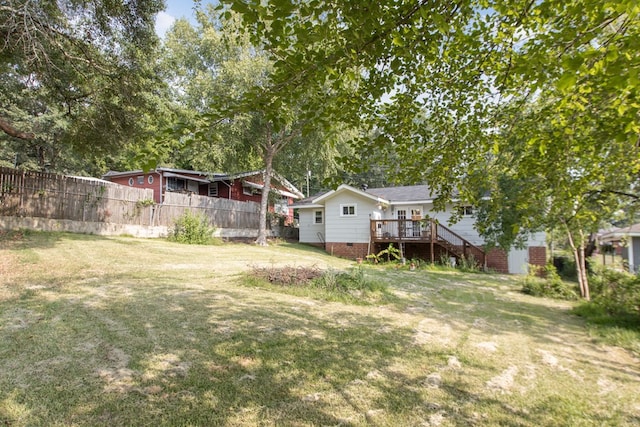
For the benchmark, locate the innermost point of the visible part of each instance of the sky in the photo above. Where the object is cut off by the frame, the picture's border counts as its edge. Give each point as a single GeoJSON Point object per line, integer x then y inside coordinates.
{"type": "Point", "coordinates": [175, 9]}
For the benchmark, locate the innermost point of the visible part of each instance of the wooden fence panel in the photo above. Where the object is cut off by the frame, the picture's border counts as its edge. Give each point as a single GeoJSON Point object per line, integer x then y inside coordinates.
{"type": "Point", "coordinates": [222, 213]}
{"type": "Point", "coordinates": [44, 195]}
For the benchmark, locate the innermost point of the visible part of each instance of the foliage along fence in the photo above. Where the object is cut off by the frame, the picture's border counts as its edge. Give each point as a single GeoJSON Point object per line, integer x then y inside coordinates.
{"type": "Point", "coordinates": [44, 195]}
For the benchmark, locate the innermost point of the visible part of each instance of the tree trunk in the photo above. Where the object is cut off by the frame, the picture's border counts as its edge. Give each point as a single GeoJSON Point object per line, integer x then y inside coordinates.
{"type": "Point", "coordinates": [264, 200]}
{"type": "Point", "coordinates": [591, 246]}
{"type": "Point", "coordinates": [583, 269]}
{"type": "Point", "coordinates": [579, 257]}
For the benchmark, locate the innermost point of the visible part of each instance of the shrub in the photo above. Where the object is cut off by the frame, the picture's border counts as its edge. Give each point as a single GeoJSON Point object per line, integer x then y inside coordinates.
{"type": "Point", "coordinates": [385, 255]}
{"type": "Point", "coordinates": [192, 229]}
{"type": "Point", "coordinates": [469, 264]}
{"type": "Point", "coordinates": [617, 293]}
{"type": "Point", "coordinates": [329, 280]}
{"type": "Point", "coordinates": [549, 285]}
{"type": "Point", "coordinates": [354, 280]}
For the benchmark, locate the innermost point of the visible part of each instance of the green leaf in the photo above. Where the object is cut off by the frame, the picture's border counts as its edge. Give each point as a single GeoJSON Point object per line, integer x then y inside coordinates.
{"type": "Point", "coordinates": [397, 40]}
{"type": "Point", "coordinates": [566, 82]}
{"type": "Point", "coordinates": [240, 7]}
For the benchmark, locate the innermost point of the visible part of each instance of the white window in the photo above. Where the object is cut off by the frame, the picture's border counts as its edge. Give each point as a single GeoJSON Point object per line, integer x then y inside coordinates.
{"type": "Point", "coordinates": [466, 210]}
{"type": "Point", "coordinates": [281, 205]}
{"type": "Point", "coordinates": [348, 210]}
{"type": "Point", "coordinates": [317, 217]}
{"type": "Point", "coordinates": [131, 182]}
{"type": "Point", "coordinates": [250, 191]}
{"type": "Point", "coordinates": [140, 179]}
{"type": "Point", "coordinates": [150, 179]}
{"type": "Point", "coordinates": [213, 189]}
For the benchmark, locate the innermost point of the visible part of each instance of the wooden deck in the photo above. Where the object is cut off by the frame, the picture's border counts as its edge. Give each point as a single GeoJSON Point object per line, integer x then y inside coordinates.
{"type": "Point", "coordinates": [425, 232]}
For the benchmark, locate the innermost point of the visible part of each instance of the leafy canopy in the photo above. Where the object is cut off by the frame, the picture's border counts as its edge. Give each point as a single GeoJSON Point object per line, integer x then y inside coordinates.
{"type": "Point", "coordinates": [76, 75]}
{"type": "Point", "coordinates": [534, 101]}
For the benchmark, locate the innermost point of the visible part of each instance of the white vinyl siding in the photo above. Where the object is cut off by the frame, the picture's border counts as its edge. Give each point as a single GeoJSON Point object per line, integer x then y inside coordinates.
{"type": "Point", "coordinates": [348, 229]}
{"type": "Point", "coordinates": [518, 261]}
{"type": "Point", "coordinates": [463, 228]}
{"type": "Point", "coordinates": [310, 232]}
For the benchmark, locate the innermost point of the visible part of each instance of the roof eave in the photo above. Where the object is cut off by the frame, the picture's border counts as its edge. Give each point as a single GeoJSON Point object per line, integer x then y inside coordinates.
{"type": "Point", "coordinates": [307, 206]}
{"type": "Point", "coordinates": [345, 187]}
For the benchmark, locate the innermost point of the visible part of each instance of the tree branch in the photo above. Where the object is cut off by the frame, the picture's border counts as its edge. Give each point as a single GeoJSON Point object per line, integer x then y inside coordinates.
{"type": "Point", "coordinates": [636, 197]}
{"type": "Point", "coordinates": [7, 128]}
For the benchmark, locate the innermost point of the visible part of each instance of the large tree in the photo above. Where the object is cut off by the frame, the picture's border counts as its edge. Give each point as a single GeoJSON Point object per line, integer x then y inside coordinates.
{"type": "Point", "coordinates": [536, 101]}
{"type": "Point", "coordinates": [208, 65]}
{"type": "Point", "coordinates": [77, 75]}
{"type": "Point", "coordinates": [568, 139]}
{"type": "Point", "coordinates": [215, 71]}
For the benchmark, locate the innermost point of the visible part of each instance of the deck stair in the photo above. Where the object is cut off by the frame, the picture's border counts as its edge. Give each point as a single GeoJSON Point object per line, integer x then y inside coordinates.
{"type": "Point", "coordinates": [426, 231]}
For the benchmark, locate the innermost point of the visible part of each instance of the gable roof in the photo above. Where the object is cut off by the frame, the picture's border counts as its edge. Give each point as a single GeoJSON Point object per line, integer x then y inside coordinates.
{"type": "Point", "coordinates": [292, 192]}
{"type": "Point", "coordinates": [387, 195]}
{"type": "Point", "coordinates": [162, 169]}
{"type": "Point", "coordinates": [618, 233]}
{"type": "Point", "coordinates": [343, 188]}
{"type": "Point", "coordinates": [206, 177]}
{"type": "Point", "coordinates": [409, 193]}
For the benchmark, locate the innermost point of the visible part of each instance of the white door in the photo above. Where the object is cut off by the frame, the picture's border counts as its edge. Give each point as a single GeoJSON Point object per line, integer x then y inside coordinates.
{"type": "Point", "coordinates": [416, 216]}
{"type": "Point", "coordinates": [518, 261]}
{"type": "Point", "coordinates": [401, 214]}
{"type": "Point", "coordinates": [376, 215]}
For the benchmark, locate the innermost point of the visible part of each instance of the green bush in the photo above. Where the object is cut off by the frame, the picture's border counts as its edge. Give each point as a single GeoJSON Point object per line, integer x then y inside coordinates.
{"type": "Point", "coordinates": [617, 293]}
{"type": "Point", "coordinates": [547, 283]}
{"type": "Point", "coordinates": [354, 280]}
{"type": "Point", "coordinates": [192, 229]}
{"type": "Point", "coordinates": [469, 264]}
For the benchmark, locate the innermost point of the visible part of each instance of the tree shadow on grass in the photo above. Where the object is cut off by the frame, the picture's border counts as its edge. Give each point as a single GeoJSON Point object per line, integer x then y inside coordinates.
{"type": "Point", "coordinates": [27, 239]}
{"type": "Point", "coordinates": [207, 359]}
{"type": "Point", "coordinates": [168, 355]}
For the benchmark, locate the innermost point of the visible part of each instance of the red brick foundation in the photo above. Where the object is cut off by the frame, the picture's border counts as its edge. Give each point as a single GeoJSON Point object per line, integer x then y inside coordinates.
{"type": "Point", "coordinates": [538, 256]}
{"type": "Point", "coordinates": [498, 260]}
{"type": "Point", "coordinates": [347, 250]}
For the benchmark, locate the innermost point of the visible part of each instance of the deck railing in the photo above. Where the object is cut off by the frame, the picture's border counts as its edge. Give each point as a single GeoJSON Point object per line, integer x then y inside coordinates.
{"type": "Point", "coordinates": [425, 231]}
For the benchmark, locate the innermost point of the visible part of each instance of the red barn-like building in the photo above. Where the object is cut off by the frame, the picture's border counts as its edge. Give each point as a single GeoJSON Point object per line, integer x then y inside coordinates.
{"type": "Point", "coordinates": [246, 186]}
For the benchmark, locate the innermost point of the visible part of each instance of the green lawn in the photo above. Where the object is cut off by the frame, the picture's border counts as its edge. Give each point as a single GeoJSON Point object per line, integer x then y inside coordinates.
{"type": "Point", "coordinates": [121, 331]}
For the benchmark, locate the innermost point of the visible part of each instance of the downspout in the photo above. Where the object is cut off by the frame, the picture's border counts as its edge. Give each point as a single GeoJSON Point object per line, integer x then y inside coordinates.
{"type": "Point", "coordinates": [228, 185]}
{"type": "Point", "coordinates": [632, 267]}
{"type": "Point", "coordinates": [162, 184]}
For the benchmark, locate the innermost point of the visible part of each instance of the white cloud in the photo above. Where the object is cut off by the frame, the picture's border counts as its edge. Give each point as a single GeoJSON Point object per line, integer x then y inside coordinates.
{"type": "Point", "coordinates": [164, 21]}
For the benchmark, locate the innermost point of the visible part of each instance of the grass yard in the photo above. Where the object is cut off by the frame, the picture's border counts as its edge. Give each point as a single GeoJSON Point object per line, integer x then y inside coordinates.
{"type": "Point", "coordinates": [120, 331]}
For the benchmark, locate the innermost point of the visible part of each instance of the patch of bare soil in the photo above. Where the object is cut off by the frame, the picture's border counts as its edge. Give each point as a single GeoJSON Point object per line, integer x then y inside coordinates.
{"type": "Point", "coordinates": [288, 275]}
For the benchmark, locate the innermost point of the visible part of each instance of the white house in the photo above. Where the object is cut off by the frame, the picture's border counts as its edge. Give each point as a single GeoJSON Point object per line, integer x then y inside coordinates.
{"type": "Point", "coordinates": [628, 239]}
{"type": "Point", "coordinates": [353, 223]}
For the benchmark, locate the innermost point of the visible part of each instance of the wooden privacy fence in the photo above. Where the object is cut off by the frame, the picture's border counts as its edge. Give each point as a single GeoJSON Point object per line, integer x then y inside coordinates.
{"type": "Point", "coordinates": [46, 195]}
{"type": "Point", "coordinates": [223, 213]}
